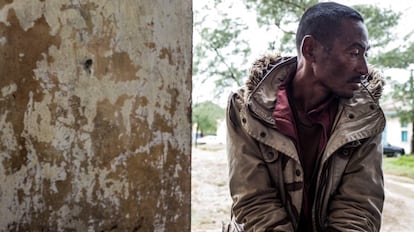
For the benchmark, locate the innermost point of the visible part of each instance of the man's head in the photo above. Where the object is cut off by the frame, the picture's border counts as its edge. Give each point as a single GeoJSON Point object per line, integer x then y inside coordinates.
{"type": "Point", "coordinates": [332, 45]}
{"type": "Point", "coordinates": [323, 20]}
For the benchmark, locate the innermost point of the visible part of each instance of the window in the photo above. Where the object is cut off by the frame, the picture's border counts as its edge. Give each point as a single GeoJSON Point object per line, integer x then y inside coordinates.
{"type": "Point", "coordinates": [404, 124]}
{"type": "Point", "coordinates": [404, 136]}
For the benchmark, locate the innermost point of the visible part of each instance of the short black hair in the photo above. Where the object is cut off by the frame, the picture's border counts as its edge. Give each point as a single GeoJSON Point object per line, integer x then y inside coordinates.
{"type": "Point", "coordinates": [323, 21]}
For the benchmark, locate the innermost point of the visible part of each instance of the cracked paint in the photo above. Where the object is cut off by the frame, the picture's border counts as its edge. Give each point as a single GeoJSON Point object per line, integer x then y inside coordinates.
{"type": "Point", "coordinates": [95, 101]}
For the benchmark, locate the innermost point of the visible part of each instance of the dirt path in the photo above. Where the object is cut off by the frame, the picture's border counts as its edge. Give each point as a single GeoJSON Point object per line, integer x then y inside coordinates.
{"type": "Point", "coordinates": [210, 197]}
{"type": "Point", "coordinates": [211, 201]}
{"type": "Point", "coordinates": [398, 211]}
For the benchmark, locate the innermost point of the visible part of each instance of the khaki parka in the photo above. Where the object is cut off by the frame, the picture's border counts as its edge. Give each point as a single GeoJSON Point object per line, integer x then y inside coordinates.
{"type": "Point", "coordinates": [265, 173]}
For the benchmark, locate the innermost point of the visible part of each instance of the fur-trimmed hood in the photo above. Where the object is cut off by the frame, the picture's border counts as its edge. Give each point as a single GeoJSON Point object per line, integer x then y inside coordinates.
{"type": "Point", "coordinates": [373, 81]}
{"type": "Point", "coordinates": [259, 70]}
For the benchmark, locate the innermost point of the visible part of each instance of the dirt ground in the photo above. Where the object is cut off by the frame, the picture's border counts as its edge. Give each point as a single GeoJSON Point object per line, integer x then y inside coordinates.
{"type": "Point", "coordinates": [211, 201]}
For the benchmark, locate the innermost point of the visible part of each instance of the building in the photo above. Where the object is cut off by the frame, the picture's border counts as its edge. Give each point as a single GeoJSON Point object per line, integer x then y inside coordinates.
{"type": "Point", "coordinates": [396, 132]}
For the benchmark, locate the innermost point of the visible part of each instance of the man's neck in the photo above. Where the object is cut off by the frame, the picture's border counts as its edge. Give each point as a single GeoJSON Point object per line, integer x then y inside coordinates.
{"type": "Point", "coordinates": [306, 96]}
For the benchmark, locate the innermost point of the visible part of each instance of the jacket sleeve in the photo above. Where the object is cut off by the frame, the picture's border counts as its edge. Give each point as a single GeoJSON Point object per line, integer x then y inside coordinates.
{"type": "Point", "coordinates": [358, 203]}
{"type": "Point", "coordinates": [256, 202]}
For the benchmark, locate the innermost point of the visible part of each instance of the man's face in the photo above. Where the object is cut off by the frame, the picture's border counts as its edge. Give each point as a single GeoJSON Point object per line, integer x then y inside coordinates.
{"type": "Point", "coordinates": [339, 68]}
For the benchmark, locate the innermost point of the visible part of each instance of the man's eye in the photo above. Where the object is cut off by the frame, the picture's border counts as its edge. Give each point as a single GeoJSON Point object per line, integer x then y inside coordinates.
{"type": "Point", "coordinates": [355, 52]}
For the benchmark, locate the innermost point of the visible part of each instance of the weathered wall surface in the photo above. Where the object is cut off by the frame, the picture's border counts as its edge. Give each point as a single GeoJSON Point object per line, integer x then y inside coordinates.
{"type": "Point", "coordinates": [95, 101]}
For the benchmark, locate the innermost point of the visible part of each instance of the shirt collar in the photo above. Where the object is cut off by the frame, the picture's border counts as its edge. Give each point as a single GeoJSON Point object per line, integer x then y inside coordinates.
{"type": "Point", "coordinates": [323, 114]}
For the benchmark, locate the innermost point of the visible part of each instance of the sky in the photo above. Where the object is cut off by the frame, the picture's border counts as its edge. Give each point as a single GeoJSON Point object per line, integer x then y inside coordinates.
{"type": "Point", "coordinates": [203, 91]}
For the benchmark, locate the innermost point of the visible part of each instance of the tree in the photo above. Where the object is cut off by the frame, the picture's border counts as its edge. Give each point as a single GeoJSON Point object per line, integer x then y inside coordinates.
{"type": "Point", "coordinates": [206, 115]}
{"type": "Point", "coordinates": [220, 51]}
{"type": "Point", "coordinates": [284, 15]}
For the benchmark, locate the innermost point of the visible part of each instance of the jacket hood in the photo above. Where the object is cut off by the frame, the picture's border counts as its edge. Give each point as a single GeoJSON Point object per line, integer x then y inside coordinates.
{"type": "Point", "coordinates": [259, 70]}
{"type": "Point", "coordinates": [373, 81]}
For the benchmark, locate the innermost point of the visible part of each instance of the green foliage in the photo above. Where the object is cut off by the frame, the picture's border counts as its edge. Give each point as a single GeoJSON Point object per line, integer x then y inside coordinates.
{"type": "Point", "coordinates": [221, 50]}
{"type": "Point", "coordinates": [402, 166]}
{"type": "Point", "coordinates": [400, 57]}
{"type": "Point", "coordinates": [206, 115]}
{"type": "Point", "coordinates": [379, 23]}
{"type": "Point", "coordinates": [285, 15]}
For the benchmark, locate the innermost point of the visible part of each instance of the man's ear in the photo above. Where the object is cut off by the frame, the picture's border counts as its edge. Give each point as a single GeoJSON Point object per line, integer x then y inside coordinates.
{"type": "Point", "coordinates": [308, 47]}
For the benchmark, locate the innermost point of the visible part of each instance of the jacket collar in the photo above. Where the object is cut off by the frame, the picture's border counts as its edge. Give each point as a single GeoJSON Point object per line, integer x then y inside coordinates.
{"type": "Point", "coordinates": [261, 98]}
{"type": "Point", "coordinates": [268, 73]}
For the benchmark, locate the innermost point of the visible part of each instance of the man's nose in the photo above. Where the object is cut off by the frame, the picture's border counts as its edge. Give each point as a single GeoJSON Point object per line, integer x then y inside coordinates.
{"type": "Point", "coordinates": [363, 66]}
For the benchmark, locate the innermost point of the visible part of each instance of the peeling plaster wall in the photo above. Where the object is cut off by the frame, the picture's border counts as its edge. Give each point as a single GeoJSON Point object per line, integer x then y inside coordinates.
{"type": "Point", "coordinates": [95, 111]}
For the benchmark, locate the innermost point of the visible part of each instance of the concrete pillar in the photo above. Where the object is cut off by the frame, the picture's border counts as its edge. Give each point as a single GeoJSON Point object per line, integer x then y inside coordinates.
{"type": "Point", "coordinates": [95, 115]}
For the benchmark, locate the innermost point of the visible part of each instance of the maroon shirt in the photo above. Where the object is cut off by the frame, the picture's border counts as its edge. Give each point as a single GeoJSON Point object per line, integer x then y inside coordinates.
{"type": "Point", "coordinates": [310, 140]}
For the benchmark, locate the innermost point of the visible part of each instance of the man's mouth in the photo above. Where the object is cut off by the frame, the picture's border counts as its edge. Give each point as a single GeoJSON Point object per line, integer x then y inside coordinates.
{"type": "Point", "coordinates": [355, 83]}
{"type": "Point", "coordinates": [356, 79]}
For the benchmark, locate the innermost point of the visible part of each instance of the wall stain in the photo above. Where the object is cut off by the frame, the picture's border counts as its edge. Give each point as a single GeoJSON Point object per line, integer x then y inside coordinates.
{"type": "Point", "coordinates": [5, 2]}
{"type": "Point", "coordinates": [119, 66]}
{"type": "Point", "coordinates": [106, 140]}
{"type": "Point", "coordinates": [166, 53]}
{"type": "Point", "coordinates": [150, 45]}
{"type": "Point", "coordinates": [22, 70]}
{"type": "Point", "coordinates": [84, 10]}
{"type": "Point", "coordinates": [14, 162]}
{"type": "Point", "coordinates": [77, 112]}
{"type": "Point", "coordinates": [174, 96]}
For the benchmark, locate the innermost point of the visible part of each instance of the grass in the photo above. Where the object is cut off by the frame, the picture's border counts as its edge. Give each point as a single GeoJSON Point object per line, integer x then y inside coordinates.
{"type": "Point", "coordinates": [402, 166]}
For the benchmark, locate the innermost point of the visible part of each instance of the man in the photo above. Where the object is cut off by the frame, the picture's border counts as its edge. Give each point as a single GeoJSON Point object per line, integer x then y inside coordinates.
{"type": "Point", "coordinates": [304, 134]}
